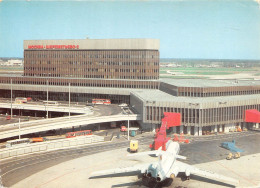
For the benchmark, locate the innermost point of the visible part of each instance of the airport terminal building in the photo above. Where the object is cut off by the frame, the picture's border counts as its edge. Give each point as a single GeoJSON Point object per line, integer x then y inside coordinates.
{"type": "Point", "coordinates": [127, 70]}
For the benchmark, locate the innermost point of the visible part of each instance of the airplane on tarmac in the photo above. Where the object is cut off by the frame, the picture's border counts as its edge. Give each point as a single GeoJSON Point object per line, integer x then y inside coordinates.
{"type": "Point", "coordinates": [166, 169]}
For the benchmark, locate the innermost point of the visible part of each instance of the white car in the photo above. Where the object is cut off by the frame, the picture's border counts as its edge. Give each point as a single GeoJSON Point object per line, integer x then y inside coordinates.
{"type": "Point", "coordinates": [123, 105]}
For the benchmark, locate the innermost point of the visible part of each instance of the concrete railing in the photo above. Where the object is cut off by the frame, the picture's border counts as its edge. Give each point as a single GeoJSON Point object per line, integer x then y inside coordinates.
{"type": "Point", "coordinates": [49, 146]}
{"type": "Point", "coordinates": [68, 122]}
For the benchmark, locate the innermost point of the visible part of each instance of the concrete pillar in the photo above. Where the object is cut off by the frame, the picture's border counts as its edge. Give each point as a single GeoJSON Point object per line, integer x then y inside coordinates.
{"type": "Point", "coordinates": [181, 129]}
{"type": "Point", "coordinates": [200, 131]}
{"type": "Point", "coordinates": [98, 127]}
{"type": "Point", "coordinates": [215, 128]}
{"type": "Point", "coordinates": [153, 128]}
{"type": "Point", "coordinates": [174, 129]}
{"type": "Point", "coordinates": [35, 114]}
{"type": "Point", "coordinates": [257, 125]}
{"type": "Point", "coordinates": [188, 130]}
{"type": "Point", "coordinates": [220, 128]}
{"type": "Point", "coordinates": [196, 131]}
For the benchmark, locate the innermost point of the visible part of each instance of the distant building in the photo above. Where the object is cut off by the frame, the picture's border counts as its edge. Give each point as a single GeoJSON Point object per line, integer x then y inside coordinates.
{"type": "Point", "coordinates": [12, 62]}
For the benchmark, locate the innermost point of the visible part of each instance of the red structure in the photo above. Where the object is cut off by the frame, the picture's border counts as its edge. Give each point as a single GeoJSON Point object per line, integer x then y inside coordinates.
{"type": "Point", "coordinates": [180, 139]}
{"type": "Point", "coordinates": [252, 116]}
{"type": "Point", "coordinates": [170, 120]}
{"type": "Point", "coordinates": [78, 133]}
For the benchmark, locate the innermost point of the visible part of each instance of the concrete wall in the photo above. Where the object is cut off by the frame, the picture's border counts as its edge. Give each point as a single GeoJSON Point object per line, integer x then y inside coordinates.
{"type": "Point", "coordinates": [49, 145]}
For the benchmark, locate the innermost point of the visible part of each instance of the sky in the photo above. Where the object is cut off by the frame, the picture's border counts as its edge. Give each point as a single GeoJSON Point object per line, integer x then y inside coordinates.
{"type": "Point", "coordinates": [197, 29]}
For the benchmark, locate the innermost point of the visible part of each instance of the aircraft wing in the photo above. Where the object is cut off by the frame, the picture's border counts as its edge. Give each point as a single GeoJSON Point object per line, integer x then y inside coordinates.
{"type": "Point", "coordinates": [141, 168]}
{"type": "Point", "coordinates": [203, 173]}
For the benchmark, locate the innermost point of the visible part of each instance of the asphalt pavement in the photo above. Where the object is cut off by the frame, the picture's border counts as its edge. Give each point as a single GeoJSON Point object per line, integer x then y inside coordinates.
{"type": "Point", "coordinates": [198, 151]}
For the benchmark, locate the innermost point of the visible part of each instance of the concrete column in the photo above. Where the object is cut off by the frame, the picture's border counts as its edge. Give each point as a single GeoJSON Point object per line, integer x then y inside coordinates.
{"type": "Point", "coordinates": [257, 125]}
{"type": "Point", "coordinates": [174, 129]}
{"type": "Point", "coordinates": [225, 128]}
{"type": "Point", "coordinates": [220, 128]}
{"type": "Point", "coordinates": [98, 127]}
{"type": "Point", "coordinates": [196, 131]}
{"type": "Point", "coordinates": [200, 131]}
{"type": "Point", "coordinates": [188, 130]}
{"type": "Point", "coordinates": [215, 128]}
{"type": "Point", "coordinates": [181, 129]}
{"type": "Point", "coordinates": [153, 128]}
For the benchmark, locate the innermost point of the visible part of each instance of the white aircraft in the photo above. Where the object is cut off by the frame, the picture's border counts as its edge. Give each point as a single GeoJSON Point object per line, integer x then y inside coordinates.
{"type": "Point", "coordinates": [166, 168]}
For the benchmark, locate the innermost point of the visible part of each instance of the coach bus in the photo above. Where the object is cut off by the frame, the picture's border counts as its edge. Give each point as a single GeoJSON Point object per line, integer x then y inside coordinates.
{"type": "Point", "coordinates": [17, 142]}
{"type": "Point", "coordinates": [78, 133]}
{"type": "Point", "coordinates": [20, 100]}
{"type": "Point", "coordinates": [101, 101]}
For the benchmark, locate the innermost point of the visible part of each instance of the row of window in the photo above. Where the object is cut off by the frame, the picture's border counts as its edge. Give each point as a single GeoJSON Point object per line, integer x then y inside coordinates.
{"type": "Point", "coordinates": [93, 76]}
{"type": "Point", "coordinates": [221, 93]}
{"type": "Point", "coordinates": [92, 63]}
{"type": "Point", "coordinates": [94, 83]}
{"type": "Point", "coordinates": [201, 116]}
{"type": "Point", "coordinates": [90, 54]}
{"type": "Point", "coordinates": [89, 70]}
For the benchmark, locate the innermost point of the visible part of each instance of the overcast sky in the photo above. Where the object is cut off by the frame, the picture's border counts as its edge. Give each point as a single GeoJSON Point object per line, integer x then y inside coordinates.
{"type": "Point", "coordinates": [211, 29]}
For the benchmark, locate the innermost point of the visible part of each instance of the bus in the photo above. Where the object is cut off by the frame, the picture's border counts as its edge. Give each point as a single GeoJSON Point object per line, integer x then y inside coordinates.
{"type": "Point", "coordinates": [78, 133]}
{"type": "Point", "coordinates": [20, 100]}
{"type": "Point", "coordinates": [50, 102]}
{"type": "Point", "coordinates": [101, 101]}
{"type": "Point", "coordinates": [17, 142]}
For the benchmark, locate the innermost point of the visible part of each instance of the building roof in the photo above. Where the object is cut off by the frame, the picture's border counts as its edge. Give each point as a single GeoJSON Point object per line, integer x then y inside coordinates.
{"type": "Point", "coordinates": [95, 44]}
{"type": "Point", "coordinates": [161, 98]}
{"type": "Point", "coordinates": [209, 83]}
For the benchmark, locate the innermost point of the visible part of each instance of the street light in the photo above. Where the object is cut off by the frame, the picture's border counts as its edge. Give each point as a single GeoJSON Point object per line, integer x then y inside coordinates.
{"type": "Point", "coordinates": [128, 121]}
{"type": "Point", "coordinates": [47, 115]}
{"type": "Point", "coordinates": [11, 98]}
{"type": "Point", "coordinates": [19, 129]}
{"type": "Point", "coordinates": [69, 100]}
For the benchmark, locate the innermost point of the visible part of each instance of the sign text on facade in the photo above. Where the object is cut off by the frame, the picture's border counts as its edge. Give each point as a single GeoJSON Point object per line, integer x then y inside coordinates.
{"type": "Point", "coordinates": [53, 46]}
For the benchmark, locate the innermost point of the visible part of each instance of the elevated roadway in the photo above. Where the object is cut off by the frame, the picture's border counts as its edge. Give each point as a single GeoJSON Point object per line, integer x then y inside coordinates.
{"type": "Point", "coordinates": [56, 123]}
{"type": "Point", "coordinates": [52, 108]}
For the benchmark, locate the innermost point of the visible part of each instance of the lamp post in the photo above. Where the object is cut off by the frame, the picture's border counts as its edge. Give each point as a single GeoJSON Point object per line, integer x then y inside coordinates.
{"type": "Point", "coordinates": [11, 98]}
{"type": "Point", "coordinates": [19, 129]}
{"type": "Point", "coordinates": [69, 100]}
{"type": "Point", "coordinates": [128, 121]}
{"type": "Point", "coordinates": [47, 99]}
{"type": "Point", "coordinates": [128, 128]}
